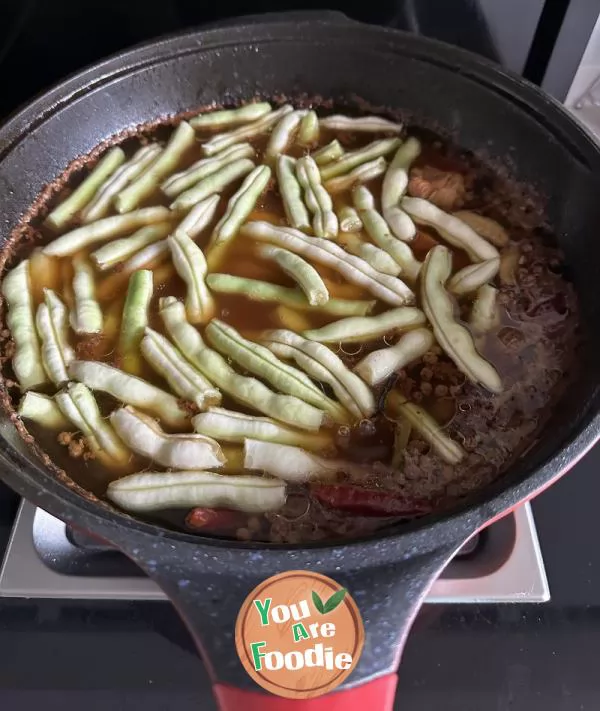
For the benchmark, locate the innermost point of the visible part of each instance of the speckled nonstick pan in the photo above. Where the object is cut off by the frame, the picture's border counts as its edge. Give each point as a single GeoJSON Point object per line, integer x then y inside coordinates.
{"type": "Point", "coordinates": [482, 108]}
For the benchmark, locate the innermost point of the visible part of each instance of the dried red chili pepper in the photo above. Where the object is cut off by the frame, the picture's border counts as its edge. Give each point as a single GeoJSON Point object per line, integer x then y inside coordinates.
{"type": "Point", "coordinates": [204, 518]}
{"type": "Point", "coordinates": [368, 502]}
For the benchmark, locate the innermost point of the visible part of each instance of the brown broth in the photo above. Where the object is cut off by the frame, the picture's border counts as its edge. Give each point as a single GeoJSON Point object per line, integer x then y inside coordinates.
{"type": "Point", "coordinates": [531, 350]}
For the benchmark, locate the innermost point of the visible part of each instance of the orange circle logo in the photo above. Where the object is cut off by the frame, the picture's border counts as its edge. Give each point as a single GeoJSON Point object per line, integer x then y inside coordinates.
{"type": "Point", "coordinates": [299, 634]}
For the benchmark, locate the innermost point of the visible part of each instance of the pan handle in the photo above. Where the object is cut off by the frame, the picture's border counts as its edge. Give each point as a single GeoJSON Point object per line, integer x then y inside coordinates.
{"type": "Point", "coordinates": [377, 695]}
{"type": "Point", "coordinates": [208, 586]}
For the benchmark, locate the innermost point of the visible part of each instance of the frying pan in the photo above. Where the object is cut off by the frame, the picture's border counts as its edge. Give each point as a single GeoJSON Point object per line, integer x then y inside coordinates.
{"type": "Point", "coordinates": [483, 109]}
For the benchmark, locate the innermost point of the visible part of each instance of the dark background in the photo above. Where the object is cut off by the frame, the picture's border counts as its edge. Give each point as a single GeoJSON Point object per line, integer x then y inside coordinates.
{"type": "Point", "coordinates": [68, 656]}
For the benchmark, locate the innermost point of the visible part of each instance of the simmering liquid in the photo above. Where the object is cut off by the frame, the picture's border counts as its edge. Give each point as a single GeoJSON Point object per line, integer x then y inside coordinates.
{"type": "Point", "coordinates": [531, 348]}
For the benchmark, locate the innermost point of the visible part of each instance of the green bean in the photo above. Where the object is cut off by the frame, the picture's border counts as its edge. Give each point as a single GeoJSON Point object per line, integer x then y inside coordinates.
{"type": "Point", "coordinates": [324, 222]}
{"type": "Point", "coordinates": [484, 312]}
{"type": "Point", "coordinates": [86, 316]}
{"type": "Point", "coordinates": [27, 359]}
{"type": "Point", "coordinates": [378, 365]}
{"type": "Point", "coordinates": [353, 269]}
{"type": "Point", "coordinates": [214, 183]}
{"type": "Point", "coordinates": [243, 133]}
{"type": "Point", "coordinates": [367, 328]}
{"type": "Point", "coordinates": [229, 426]}
{"type": "Point", "coordinates": [259, 360]}
{"type": "Point", "coordinates": [282, 135]}
{"type": "Point", "coordinates": [377, 258]}
{"type": "Point", "coordinates": [453, 230]}
{"type": "Point", "coordinates": [42, 410]}
{"type": "Point", "coordinates": [290, 463]}
{"type": "Point", "coordinates": [154, 491]}
{"type": "Point", "coordinates": [308, 133]}
{"type": "Point", "coordinates": [291, 193]}
{"type": "Point", "coordinates": [178, 182]}
{"type": "Point", "coordinates": [79, 198]}
{"type": "Point", "coordinates": [145, 437]}
{"type": "Point", "coordinates": [240, 205]}
{"type": "Point", "coordinates": [317, 371]}
{"type": "Point", "coordinates": [131, 390]}
{"type": "Point", "coordinates": [79, 406]}
{"type": "Point", "coordinates": [199, 217]}
{"type": "Point", "coordinates": [191, 266]}
{"type": "Point", "coordinates": [349, 219]}
{"type": "Point", "coordinates": [361, 174]}
{"type": "Point", "coordinates": [341, 379]}
{"type": "Point", "coordinates": [378, 230]}
{"type": "Point", "coordinates": [393, 188]}
{"type": "Point", "coordinates": [214, 367]}
{"type": "Point", "coordinates": [452, 336]}
{"type": "Point", "coordinates": [135, 319]}
{"type": "Point", "coordinates": [52, 322]}
{"type": "Point", "coordinates": [104, 229]}
{"type": "Point", "coordinates": [230, 117]}
{"type": "Point", "coordinates": [118, 250]}
{"type": "Point", "coordinates": [183, 378]}
{"type": "Point", "coordinates": [473, 276]}
{"type": "Point", "coordinates": [306, 276]}
{"type": "Point", "coordinates": [181, 140]}
{"type": "Point", "coordinates": [256, 290]}
{"type": "Point", "coordinates": [332, 151]}
{"type": "Point", "coordinates": [358, 157]}
{"type": "Point", "coordinates": [427, 427]}
{"type": "Point", "coordinates": [100, 205]}
{"type": "Point", "coordinates": [485, 227]}
{"type": "Point", "coordinates": [367, 124]}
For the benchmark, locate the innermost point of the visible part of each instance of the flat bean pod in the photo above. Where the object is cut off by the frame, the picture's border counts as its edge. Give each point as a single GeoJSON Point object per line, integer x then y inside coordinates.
{"type": "Point", "coordinates": [181, 140]}
{"type": "Point", "coordinates": [130, 390]}
{"type": "Point", "coordinates": [393, 188]}
{"type": "Point", "coordinates": [282, 135]}
{"type": "Point", "coordinates": [306, 276]}
{"type": "Point", "coordinates": [355, 270]}
{"type": "Point", "coordinates": [52, 322]}
{"type": "Point", "coordinates": [452, 336]}
{"type": "Point", "coordinates": [379, 231]}
{"type": "Point", "coordinates": [257, 359]}
{"type": "Point", "coordinates": [324, 222]}
{"type": "Point", "coordinates": [243, 133]}
{"type": "Point", "coordinates": [308, 132]}
{"type": "Point", "coordinates": [487, 228]}
{"type": "Point", "coordinates": [113, 253]}
{"type": "Point", "coordinates": [229, 426]}
{"type": "Point", "coordinates": [101, 230]}
{"type": "Point", "coordinates": [484, 312]}
{"type": "Point", "coordinates": [290, 463]}
{"type": "Point", "coordinates": [86, 316]}
{"type": "Point", "coordinates": [291, 193]}
{"type": "Point", "coordinates": [362, 124]}
{"type": "Point", "coordinates": [332, 151]}
{"type": "Point", "coordinates": [241, 204]}
{"type": "Point", "coordinates": [178, 182]}
{"type": "Point", "coordinates": [257, 290]}
{"type": "Point", "coordinates": [214, 367]}
{"type": "Point", "coordinates": [471, 277]}
{"type": "Point", "coordinates": [377, 258]}
{"type": "Point", "coordinates": [42, 410]}
{"type": "Point", "coordinates": [191, 266]}
{"type": "Point", "coordinates": [144, 436]}
{"type": "Point", "coordinates": [230, 117]}
{"type": "Point", "coordinates": [183, 378]}
{"type": "Point", "coordinates": [154, 491]}
{"type": "Point", "coordinates": [214, 183]}
{"type": "Point", "coordinates": [352, 159]}
{"type": "Point", "coordinates": [101, 204]}
{"type": "Point", "coordinates": [135, 319]}
{"type": "Point", "coordinates": [27, 359]}
{"type": "Point", "coordinates": [367, 328]}
{"type": "Point", "coordinates": [79, 406]}
{"type": "Point", "coordinates": [378, 365]}
{"type": "Point", "coordinates": [349, 219]}
{"type": "Point", "coordinates": [361, 174]}
{"type": "Point", "coordinates": [64, 213]}
{"type": "Point", "coordinates": [453, 230]}
{"type": "Point", "coordinates": [449, 450]}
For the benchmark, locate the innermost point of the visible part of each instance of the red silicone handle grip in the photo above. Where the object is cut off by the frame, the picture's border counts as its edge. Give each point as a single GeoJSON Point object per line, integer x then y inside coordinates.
{"type": "Point", "coordinates": [377, 695]}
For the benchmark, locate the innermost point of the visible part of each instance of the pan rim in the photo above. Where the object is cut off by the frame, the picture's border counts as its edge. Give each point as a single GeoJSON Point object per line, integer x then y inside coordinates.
{"type": "Point", "coordinates": [426, 533]}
